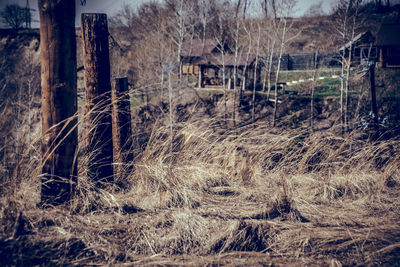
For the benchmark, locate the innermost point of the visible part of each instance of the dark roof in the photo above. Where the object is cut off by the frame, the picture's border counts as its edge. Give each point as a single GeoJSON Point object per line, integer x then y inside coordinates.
{"type": "Point", "coordinates": [388, 35]}
{"type": "Point", "coordinates": [209, 54]}
{"type": "Point", "coordinates": [360, 39]}
{"type": "Point", "coordinates": [229, 60]}
{"type": "Point", "coordinates": [195, 48]}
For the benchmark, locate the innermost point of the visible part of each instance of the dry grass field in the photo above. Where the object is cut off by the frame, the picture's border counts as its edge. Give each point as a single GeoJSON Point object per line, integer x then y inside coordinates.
{"type": "Point", "coordinates": [214, 192]}
{"type": "Point", "coordinates": [212, 195]}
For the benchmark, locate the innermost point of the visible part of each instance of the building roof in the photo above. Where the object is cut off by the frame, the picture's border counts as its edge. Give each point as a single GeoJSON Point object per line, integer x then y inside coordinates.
{"type": "Point", "coordinates": [228, 60]}
{"type": "Point", "coordinates": [209, 54]}
{"type": "Point", "coordinates": [195, 48]}
{"type": "Point", "coordinates": [362, 38]}
{"type": "Point", "coordinates": [388, 35]}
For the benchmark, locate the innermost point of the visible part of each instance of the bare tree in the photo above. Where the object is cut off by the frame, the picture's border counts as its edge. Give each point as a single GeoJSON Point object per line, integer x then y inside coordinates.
{"type": "Point", "coordinates": [179, 28]}
{"type": "Point", "coordinates": [205, 15]}
{"type": "Point", "coordinates": [221, 41]}
{"type": "Point", "coordinates": [59, 100]}
{"type": "Point", "coordinates": [161, 50]}
{"type": "Point", "coordinates": [171, 120]}
{"type": "Point", "coordinates": [314, 77]}
{"type": "Point", "coordinates": [28, 84]}
{"type": "Point", "coordinates": [14, 16]}
{"type": "Point", "coordinates": [282, 11]}
{"type": "Point", "coordinates": [124, 17]}
{"type": "Point", "coordinates": [255, 73]}
{"type": "Point", "coordinates": [236, 36]}
{"type": "Point", "coordinates": [178, 24]}
{"type": "Point", "coordinates": [248, 53]}
{"type": "Point", "coordinates": [314, 10]}
{"type": "Point", "coordinates": [346, 23]}
{"type": "Point", "coordinates": [238, 56]}
{"type": "Point", "coordinates": [270, 51]}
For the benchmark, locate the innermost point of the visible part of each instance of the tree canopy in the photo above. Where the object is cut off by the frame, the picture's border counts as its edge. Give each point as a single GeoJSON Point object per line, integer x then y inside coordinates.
{"type": "Point", "coordinates": [15, 16]}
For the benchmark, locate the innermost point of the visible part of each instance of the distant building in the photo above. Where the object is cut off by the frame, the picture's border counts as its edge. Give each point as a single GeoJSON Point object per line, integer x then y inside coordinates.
{"type": "Point", "coordinates": [208, 60]}
{"type": "Point", "coordinates": [363, 49]}
{"type": "Point", "coordinates": [388, 43]}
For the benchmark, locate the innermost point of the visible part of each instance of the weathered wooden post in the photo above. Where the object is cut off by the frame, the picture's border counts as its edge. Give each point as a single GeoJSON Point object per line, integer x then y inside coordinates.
{"type": "Point", "coordinates": [96, 62]}
{"type": "Point", "coordinates": [374, 106]}
{"type": "Point", "coordinates": [200, 76]}
{"type": "Point", "coordinates": [59, 101]}
{"type": "Point", "coordinates": [122, 124]}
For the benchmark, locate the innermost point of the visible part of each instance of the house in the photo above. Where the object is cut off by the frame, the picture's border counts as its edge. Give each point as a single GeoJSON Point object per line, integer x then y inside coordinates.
{"type": "Point", "coordinates": [211, 63]}
{"type": "Point", "coordinates": [363, 49]}
{"type": "Point", "coordinates": [214, 67]}
{"type": "Point", "coordinates": [388, 43]}
{"type": "Point", "coordinates": [193, 50]}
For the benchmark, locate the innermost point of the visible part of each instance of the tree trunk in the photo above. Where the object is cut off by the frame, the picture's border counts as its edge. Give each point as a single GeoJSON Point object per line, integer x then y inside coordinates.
{"type": "Point", "coordinates": [98, 97]}
{"type": "Point", "coordinates": [347, 96]}
{"type": "Point", "coordinates": [342, 82]}
{"type": "Point", "coordinates": [162, 82]}
{"type": "Point", "coordinates": [253, 110]}
{"type": "Point", "coordinates": [271, 56]}
{"type": "Point", "coordinates": [30, 99]}
{"type": "Point", "coordinates": [244, 71]}
{"type": "Point", "coordinates": [122, 124]}
{"type": "Point", "coordinates": [171, 122]}
{"type": "Point", "coordinates": [313, 90]}
{"type": "Point", "coordinates": [374, 106]}
{"type": "Point", "coordinates": [235, 73]}
{"type": "Point", "coordinates": [59, 101]}
{"type": "Point", "coordinates": [224, 85]}
{"type": "Point", "coordinates": [277, 72]}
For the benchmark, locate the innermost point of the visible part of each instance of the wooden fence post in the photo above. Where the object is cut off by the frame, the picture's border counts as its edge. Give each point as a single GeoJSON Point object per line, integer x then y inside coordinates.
{"type": "Point", "coordinates": [374, 106]}
{"type": "Point", "coordinates": [59, 101]}
{"type": "Point", "coordinates": [96, 62]}
{"type": "Point", "coordinates": [122, 124]}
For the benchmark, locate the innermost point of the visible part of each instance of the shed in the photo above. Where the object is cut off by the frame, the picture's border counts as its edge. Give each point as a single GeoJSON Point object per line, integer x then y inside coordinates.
{"type": "Point", "coordinates": [362, 48]}
{"type": "Point", "coordinates": [204, 58]}
{"type": "Point", "coordinates": [388, 43]}
{"type": "Point", "coordinates": [193, 50]}
{"type": "Point", "coordinates": [212, 66]}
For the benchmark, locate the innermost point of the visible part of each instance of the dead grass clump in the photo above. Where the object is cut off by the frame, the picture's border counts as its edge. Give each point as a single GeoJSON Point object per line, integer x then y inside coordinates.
{"type": "Point", "coordinates": [207, 189]}
{"type": "Point", "coordinates": [190, 233]}
{"type": "Point", "coordinates": [27, 252]}
{"type": "Point", "coordinates": [243, 236]}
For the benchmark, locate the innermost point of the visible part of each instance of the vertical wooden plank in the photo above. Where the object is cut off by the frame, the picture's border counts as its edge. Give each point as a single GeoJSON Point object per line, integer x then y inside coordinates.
{"type": "Point", "coordinates": [200, 73]}
{"type": "Point", "coordinates": [374, 106]}
{"type": "Point", "coordinates": [381, 58]}
{"type": "Point", "coordinates": [96, 62]}
{"type": "Point", "coordinates": [59, 101]}
{"type": "Point", "coordinates": [122, 124]}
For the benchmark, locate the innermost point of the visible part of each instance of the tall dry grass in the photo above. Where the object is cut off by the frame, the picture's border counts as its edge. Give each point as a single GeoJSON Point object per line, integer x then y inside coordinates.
{"type": "Point", "coordinates": [207, 191]}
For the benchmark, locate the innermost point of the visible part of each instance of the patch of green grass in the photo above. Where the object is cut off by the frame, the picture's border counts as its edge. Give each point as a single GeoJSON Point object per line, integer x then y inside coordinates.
{"type": "Point", "coordinates": [295, 75]}
{"type": "Point", "coordinates": [330, 82]}
{"type": "Point", "coordinates": [288, 76]}
{"type": "Point", "coordinates": [329, 72]}
{"type": "Point", "coordinates": [325, 91]}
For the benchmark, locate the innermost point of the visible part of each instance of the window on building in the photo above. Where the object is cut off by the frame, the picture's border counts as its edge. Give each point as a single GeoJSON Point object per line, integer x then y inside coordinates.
{"type": "Point", "coordinates": [185, 69]}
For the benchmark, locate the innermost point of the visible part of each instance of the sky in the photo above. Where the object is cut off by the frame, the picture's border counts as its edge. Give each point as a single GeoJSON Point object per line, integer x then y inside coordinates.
{"type": "Point", "coordinates": [110, 7]}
